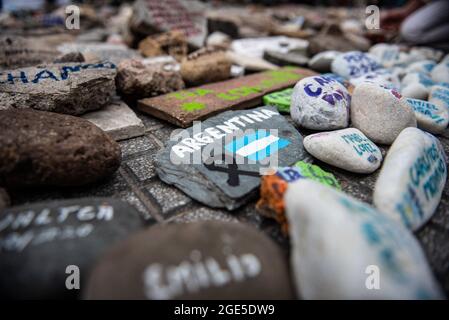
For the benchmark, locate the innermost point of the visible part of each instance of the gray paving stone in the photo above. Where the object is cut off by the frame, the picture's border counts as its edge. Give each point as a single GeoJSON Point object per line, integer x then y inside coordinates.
{"type": "Point", "coordinates": [136, 145]}
{"type": "Point", "coordinates": [204, 214]}
{"type": "Point", "coordinates": [143, 167]}
{"type": "Point", "coordinates": [168, 198]}
{"type": "Point", "coordinates": [133, 200]}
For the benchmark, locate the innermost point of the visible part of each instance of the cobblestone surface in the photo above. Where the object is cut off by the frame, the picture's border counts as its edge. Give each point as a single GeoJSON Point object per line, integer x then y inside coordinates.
{"type": "Point", "coordinates": [137, 183]}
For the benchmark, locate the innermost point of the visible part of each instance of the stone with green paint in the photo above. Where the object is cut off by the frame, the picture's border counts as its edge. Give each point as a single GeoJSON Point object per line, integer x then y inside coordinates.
{"type": "Point", "coordinates": [280, 99]}
{"type": "Point", "coordinates": [303, 169]}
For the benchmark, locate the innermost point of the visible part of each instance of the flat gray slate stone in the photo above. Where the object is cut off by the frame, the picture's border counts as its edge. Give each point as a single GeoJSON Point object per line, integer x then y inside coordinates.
{"type": "Point", "coordinates": [248, 148]}
{"type": "Point", "coordinates": [117, 120]}
{"type": "Point", "coordinates": [70, 88]}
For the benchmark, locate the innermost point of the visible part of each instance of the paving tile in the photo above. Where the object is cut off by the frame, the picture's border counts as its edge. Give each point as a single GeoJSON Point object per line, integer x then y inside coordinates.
{"type": "Point", "coordinates": [167, 197]}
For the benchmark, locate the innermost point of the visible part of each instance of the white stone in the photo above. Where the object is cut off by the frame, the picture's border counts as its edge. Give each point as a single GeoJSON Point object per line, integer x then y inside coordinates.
{"type": "Point", "coordinates": [441, 72]}
{"type": "Point", "coordinates": [218, 39]}
{"type": "Point", "coordinates": [412, 178]}
{"type": "Point", "coordinates": [387, 54]}
{"type": "Point", "coordinates": [380, 113]}
{"type": "Point", "coordinates": [322, 61]}
{"type": "Point", "coordinates": [424, 66]}
{"type": "Point", "coordinates": [117, 120]}
{"type": "Point", "coordinates": [98, 51]}
{"type": "Point", "coordinates": [320, 103]}
{"type": "Point", "coordinates": [340, 244]}
{"type": "Point", "coordinates": [348, 149]}
{"type": "Point", "coordinates": [250, 63]}
{"type": "Point", "coordinates": [416, 85]}
{"type": "Point", "coordinates": [382, 77]}
{"type": "Point", "coordinates": [354, 64]}
{"type": "Point", "coordinates": [255, 47]}
{"type": "Point", "coordinates": [439, 95]}
{"type": "Point", "coordinates": [429, 116]}
{"type": "Point", "coordinates": [421, 53]}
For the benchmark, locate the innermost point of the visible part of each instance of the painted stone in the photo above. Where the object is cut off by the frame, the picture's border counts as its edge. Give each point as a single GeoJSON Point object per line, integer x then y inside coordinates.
{"type": "Point", "coordinates": [183, 107]}
{"type": "Point", "coordinates": [322, 61]}
{"type": "Point", "coordinates": [354, 64]}
{"type": "Point", "coordinates": [39, 241]}
{"type": "Point", "coordinates": [100, 51]}
{"type": "Point", "coordinates": [412, 178]}
{"type": "Point", "coordinates": [201, 260]}
{"type": "Point", "coordinates": [219, 162]}
{"type": "Point", "coordinates": [117, 120]}
{"type": "Point", "coordinates": [273, 187]}
{"type": "Point", "coordinates": [427, 53]}
{"type": "Point", "coordinates": [429, 116]}
{"type": "Point", "coordinates": [205, 66]}
{"type": "Point", "coordinates": [139, 79]}
{"type": "Point", "coordinates": [441, 72]}
{"type": "Point", "coordinates": [416, 85]}
{"type": "Point", "coordinates": [423, 66]}
{"type": "Point", "coordinates": [338, 242]}
{"type": "Point", "coordinates": [320, 103]}
{"type": "Point", "coordinates": [255, 47]}
{"type": "Point", "coordinates": [387, 54]}
{"type": "Point", "coordinates": [72, 88]}
{"type": "Point", "coordinates": [382, 77]}
{"type": "Point", "coordinates": [348, 149]}
{"type": "Point", "coordinates": [439, 96]}
{"type": "Point", "coordinates": [154, 16]}
{"type": "Point", "coordinates": [380, 113]}
{"type": "Point", "coordinates": [280, 99]}
{"type": "Point", "coordinates": [44, 148]}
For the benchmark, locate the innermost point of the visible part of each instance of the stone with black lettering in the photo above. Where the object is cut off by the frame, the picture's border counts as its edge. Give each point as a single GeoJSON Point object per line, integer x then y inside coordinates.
{"type": "Point", "coordinates": [43, 148]}
{"type": "Point", "coordinates": [411, 182]}
{"type": "Point", "coordinates": [429, 116]}
{"type": "Point", "coordinates": [354, 64]}
{"type": "Point", "coordinates": [219, 162]}
{"type": "Point", "coordinates": [320, 103]}
{"type": "Point", "coordinates": [72, 88]}
{"type": "Point", "coordinates": [348, 149]}
{"type": "Point", "coordinates": [343, 248]}
{"type": "Point", "coordinates": [38, 242]}
{"type": "Point", "coordinates": [380, 113]}
{"type": "Point", "coordinates": [202, 260]}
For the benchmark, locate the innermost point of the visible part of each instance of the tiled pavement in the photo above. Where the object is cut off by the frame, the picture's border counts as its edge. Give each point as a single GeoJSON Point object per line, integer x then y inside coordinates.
{"type": "Point", "coordinates": [137, 183]}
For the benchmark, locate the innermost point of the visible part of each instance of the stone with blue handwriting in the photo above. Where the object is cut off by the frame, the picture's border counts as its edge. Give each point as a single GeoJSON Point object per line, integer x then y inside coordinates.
{"type": "Point", "coordinates": [380, 113]}
{"type": "Point", "coordinates": [423, 66]}
{"type": "Point", "coordinates": [201, 260]}
{"type": "Point", "coordinates": [72, 88]}
{"type": "Point", "coordinates": [428, 53]}
{"type": "Point", "coordinates": [441, 72]}
{"type": "Point", "coordinates": [429, 116]}
{"type": "Point", "coordinates": [343, 248]}
{"type": "Point", "coordinates": [347, 149]}
{"type": "Point", "coordinates": [439, 96]}
{"type": "Point", "coordinates": [320, 103]}
{"type": "Point", "coordinates": [381, 77]}
{"type": "Point", "coordinates": [416, 85]}
{"type": "Point", "coordinates": [387, 54]}
{"type": "Point", "coordinates": [322, 61]}
{"type": "Point", "coordinates": [354, 64]}
{"type": "Point", "coordinates": [412, 178]}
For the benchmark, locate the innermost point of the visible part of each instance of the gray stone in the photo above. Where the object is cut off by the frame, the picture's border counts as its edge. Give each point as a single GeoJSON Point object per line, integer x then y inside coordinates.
{"type": "Point", "coordinates": [4, 199]}
{"type": "Point", "coordinates": [322, 61]}
{"type": "Point", "coordinates": [143, 167]}
{"type": "Point", "coordinates": [290, 58]}
{"type": "Point", "coordinates": [72, 88]}
{"type": "Point", "coordinates": [117, 120]}
{"type": "Point", "coordinates": [192, 161]}
{"type": "Point", "coordinates": [167, 197]}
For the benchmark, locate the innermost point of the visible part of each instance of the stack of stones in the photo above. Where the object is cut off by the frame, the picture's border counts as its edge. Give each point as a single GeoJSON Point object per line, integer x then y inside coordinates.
{"type": "Point", "coordinates": [68, 122]}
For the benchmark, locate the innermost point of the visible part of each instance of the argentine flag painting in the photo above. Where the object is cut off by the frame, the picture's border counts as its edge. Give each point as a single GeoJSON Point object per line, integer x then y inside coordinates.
{"type": "Point", "coordinates": [257, 146]}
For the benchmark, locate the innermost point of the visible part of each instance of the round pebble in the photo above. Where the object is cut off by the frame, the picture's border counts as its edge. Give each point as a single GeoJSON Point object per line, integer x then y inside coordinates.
{"type": "Point", "coordinates": [322, 61]}
{"type": "Point", "coordinates": [429, 116]}
{"type": "Point", "coordinates": [354, 64]}
{"type": "Point", "coordinates": [441, 72]}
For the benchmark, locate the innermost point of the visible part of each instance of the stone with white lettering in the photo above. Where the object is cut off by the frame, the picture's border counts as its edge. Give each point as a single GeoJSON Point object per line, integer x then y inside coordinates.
{"type": "Point", "coordinates": [139, 79]}
{"type": "Point", "coordinates": [430, 117]}
{"type": "Point", "coordinates": [354, 64]}
{"type": "Point", "coordinates": [72, 88]}
{"type": "Point", "coordinates": [219, 161]}
{"type": "Point", "coordinates": [320, 103]}
{"type": "Point", "coordinates": [201, 260]}
{"type": "Point", "coordinates": [439, 96]}
{"type": "Point", "coordinates": [117, 120]}
{"type": "Point", "coordinates": [412, 178]}
{"type": "Point", "coordinates": [380, 113]}
{"type": "Point", "coordinates": [39, 241]}
{"type": "Point", "coordinates": [441, 72]}
{"type": "Point", "coordinates": [44, 148]}
{"type": "Point", "coordinates": [348, 149]}
{"type": "Point", "coordinates": [343, 248]}
{"type": "Point", "coordinates": [322, 61]}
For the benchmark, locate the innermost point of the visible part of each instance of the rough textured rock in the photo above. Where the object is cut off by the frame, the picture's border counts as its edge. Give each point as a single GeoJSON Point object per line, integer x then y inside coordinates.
{"type": "Point", "coordinates": [330, 262]}
{"type": "Point", "coordinates": [138, 79]}
{"type": "Point", "coordinates": [38, 243]}
{"type": "Point", "coordinates": [348, 149]}
{"type": "Point", "coordinates": [71, 88]}
{"type": "Point", "coordinates": [69, 57]}
{"type": "Point", "coordinates": [172, 43]}
{"type": "Point", "coordinates": [381, 114]}
{"type": "Point", "coordinates": [320, 103]}
{"type": "Point", "coordinates": [117, 120]}
{"type": "Point", "coordinates": [100, 51]}
{"type": "Point", "coordinates": [205, 66]}
{"type": "Point", "coordinates": [412, 178]}
{"type": "Point", "coordinates": [42, 148]}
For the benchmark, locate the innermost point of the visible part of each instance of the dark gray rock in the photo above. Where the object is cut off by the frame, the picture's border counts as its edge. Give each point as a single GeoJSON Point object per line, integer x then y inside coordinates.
{"type": "Point", "coordinates": [204, 260]}
{"type": "Point", "coordinates": [200, 174]}
{"type": "Point", "coordinates": [71, 88]}
{"type": "Point", "coordinates": [285, 59]}
{"type": "Point", "coordinates": [39, 241]}
{"type": "Point", "coordinates": [4, 199]}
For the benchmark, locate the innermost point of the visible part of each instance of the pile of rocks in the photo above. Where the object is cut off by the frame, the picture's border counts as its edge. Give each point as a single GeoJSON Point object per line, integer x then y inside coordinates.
{"type": "Point", "coordinates": [203, 114]}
